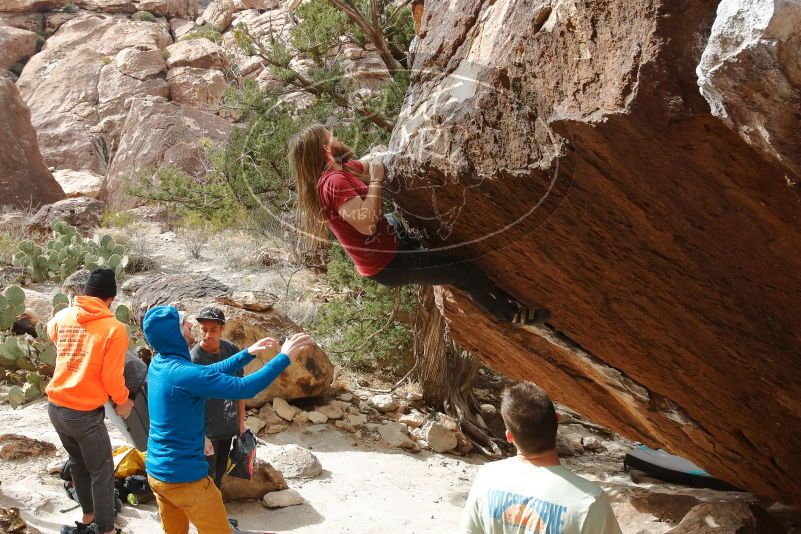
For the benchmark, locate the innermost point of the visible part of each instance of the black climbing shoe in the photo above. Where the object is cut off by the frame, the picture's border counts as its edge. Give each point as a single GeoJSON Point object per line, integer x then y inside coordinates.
{"type": "Point", "coordinates": [531, 316]}
{"type": "Point", "coordinates": [79, 528]}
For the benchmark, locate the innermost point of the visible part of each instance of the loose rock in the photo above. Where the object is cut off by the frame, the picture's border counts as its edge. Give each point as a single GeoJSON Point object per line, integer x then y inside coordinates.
{"type": "Point", "coordinates": [282, 499]}
{"type": "Point", "coordinates": [396, 435]}
{"type": "Point", "coordinates": [292, 460]}
{"type": "Point", "coordinates": [331, 411]}
{"type": "Point", "coordinates": [413, 420]}
{"type": "Point", "coordinates": [317, 418]}
{"type": "Point", "coordinates": [265, 478]}
{"type": "Point", "coordinates": [438, 437]}
{"type": "Point", "coordinates": [284, 410]}
{"type": "Point", "coordinates": [255, 424]}
{"type": "Point", "coordinates": [383, 403]}
{"type": "Point", "coordinates": [16, 447]}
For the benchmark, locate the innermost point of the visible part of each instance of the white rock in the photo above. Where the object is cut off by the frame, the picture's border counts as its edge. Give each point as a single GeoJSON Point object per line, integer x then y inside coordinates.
{"type": "Point", "coordinates": [331, 410]}
{"type": "Point", "coordinates": [413, 396]}
{"type": "Point", "coordinates": [357, 420]}
{"type": "Point", "coordinates": [282, 499]}
{"type": "Point", "coordinates": [396, 435]}
{"type": "Point", "coordinates": [292, 461]}
{"type": "Point", "coordinates": [317, 418]}
{"type": "Point", "coordinates": [301, 418]}
{"type": "Point", "coordinates": [591, 443]}
{"type": "Point", "coordinates": [439, 438]}
{"type": "Point", "coordinates": [255, 424]}
{"type": "Point", "coordinates": [55, 466]}
{"type": "Point", "coordinates": [268, 415]}
{"type": "Point", "coordinates": [79, 183]}
{"type": "Point", "coordinates": [345, 397]}
{"type": "Point", "coordinates": [413, 420]}
{"type": "Point", "coordinates": [198, 53]}
{"type": "Point", "coordinates": [284, 410]}
{"type": "Point", "coordinates": [383, 403]}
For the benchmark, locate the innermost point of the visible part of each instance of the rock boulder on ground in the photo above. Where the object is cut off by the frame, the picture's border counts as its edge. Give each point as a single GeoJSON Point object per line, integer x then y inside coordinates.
{"type": "Point", "coordinates": [16, 447]}
{"type": "Point", "coordinates": [282, 499]}
{"type": "Point", "coordinates": [397, 435]}
{"type": "Point", "coordinates": [265, 479]}
{"type": "Point", "coordinates": [79, 183]}
{"type": "Point", "coordinates": [83, 213]}
{"type": "Point", "coordinates": [26, 178]}
{"type": "Point", "coordinates": [384, 403]}
{"type": "Point", "coordinates": [438, 437]}
{"type": "Point", "coordinates": [309, 375]}
{"type": "Point", "coordinates": [15, 45]}
{"type": "Point", "coordinates": [292, 460]}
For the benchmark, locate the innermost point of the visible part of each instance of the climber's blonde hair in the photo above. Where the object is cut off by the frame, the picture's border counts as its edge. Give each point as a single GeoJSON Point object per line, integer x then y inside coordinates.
{"type": "Point", "coordinates": [307, 158]}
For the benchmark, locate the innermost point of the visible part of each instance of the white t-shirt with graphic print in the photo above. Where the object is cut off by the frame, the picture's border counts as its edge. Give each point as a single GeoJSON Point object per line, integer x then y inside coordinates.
{"type": "Point", "coordinates": [513, 496]}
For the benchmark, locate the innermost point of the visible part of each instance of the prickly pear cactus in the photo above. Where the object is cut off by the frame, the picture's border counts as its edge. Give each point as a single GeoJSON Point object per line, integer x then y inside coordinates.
{"type": "Point", "coordinates": [60, 301]}
{"type": "Point", "coordinates": [67, 252]}
{"type": "Point", "coordinates": [12, 303]}
{"type": "Point", "coordinates": [123, 314]}
{"type": "Point", "coordinates": [17, 396]}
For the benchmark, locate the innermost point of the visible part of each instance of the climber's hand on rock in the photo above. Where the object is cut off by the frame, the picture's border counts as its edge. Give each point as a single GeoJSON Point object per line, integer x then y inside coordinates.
{"type": "Point", "coordinates": [376, 170]}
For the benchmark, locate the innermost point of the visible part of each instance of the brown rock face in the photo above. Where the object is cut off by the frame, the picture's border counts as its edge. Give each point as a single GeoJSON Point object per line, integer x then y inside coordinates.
{"type": "Point", "coordinates": [15, 44]}
{"type": "Point", "coordinates": [567, 148]}
{"type": "Point", "coordinates": [78, 95]}
{"type": "Point", "coordinates": [159, 134]}
{"type": "Point", "coordinates": [25, 177]}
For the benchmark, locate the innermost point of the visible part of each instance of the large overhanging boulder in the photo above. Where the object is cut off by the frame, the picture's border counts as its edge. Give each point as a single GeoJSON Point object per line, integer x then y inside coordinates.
{"type": "Point", "coordinates": [567, 148]}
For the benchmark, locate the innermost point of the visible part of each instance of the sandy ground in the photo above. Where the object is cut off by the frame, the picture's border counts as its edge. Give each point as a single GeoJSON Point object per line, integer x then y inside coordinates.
{"type": "Point", "coordinates": [366, 487]}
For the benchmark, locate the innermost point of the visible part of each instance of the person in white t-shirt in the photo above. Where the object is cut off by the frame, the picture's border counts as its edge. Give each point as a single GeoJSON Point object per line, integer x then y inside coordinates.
{"type": "Point", "coordinates": [532, 493]}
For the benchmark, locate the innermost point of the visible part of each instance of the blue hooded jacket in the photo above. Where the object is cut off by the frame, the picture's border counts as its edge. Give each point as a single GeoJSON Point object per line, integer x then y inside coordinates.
{"type": "Point", "coordinates": [177, 392]}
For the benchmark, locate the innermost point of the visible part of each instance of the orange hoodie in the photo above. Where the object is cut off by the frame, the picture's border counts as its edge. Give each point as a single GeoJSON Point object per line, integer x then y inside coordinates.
{"type": "Point", "coordinates": [90, 347]}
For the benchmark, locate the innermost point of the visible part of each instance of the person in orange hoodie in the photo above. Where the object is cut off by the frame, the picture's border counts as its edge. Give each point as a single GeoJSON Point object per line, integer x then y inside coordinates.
{"type": "Point", "coordinates": [90, 346]}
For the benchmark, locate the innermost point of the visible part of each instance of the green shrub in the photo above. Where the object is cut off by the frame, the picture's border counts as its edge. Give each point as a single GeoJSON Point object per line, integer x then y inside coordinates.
{"type": "Point", "coordinates": [105, 60]}
{"type": "Point", "coordinates": [145, 16]}
{"type": "Point", "coordinates": [346, 324]}
{"type": "Point", "coordinates": [16, 68]}
{"type": "Point", "coordinates": [205, 32]}
{"type": "Point", "coordinates": [165, 54]}
{"type": "Point", "coordinates": [41, 37]}
{"type": "Point", "coordinates": [120, 219]}
{"type": "Point", "coordinates": [70, 8]}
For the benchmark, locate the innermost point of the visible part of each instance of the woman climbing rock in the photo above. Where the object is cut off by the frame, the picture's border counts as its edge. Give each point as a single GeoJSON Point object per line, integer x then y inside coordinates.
{"type": "Point", "coordinates": [343, 194]}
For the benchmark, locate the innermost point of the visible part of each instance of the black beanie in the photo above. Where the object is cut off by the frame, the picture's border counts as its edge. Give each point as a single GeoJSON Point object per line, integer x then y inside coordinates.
{"type": "Point", "coordinates": [101, 284]}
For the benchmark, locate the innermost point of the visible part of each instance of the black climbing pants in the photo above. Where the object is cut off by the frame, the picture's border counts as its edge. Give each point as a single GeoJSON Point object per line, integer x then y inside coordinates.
{"type": "Point", "coordinates": [416, 265]}
{"type": "Point", "coordinates": [86, 440]}
{"type": "Point", "coordinates": [218, 462]}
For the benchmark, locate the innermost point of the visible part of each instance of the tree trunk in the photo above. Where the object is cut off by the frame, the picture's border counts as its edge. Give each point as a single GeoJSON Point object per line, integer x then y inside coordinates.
{"type": "Point", "coordinates": [447, 372]}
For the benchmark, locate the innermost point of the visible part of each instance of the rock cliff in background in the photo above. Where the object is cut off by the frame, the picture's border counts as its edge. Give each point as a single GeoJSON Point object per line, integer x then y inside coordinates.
{"type": "Point", "coordinates": [24, 177]}
{"type": "Point", "coordinates": [159, 133]}
{"type": "Point", "coordinates": [579, 162]}
{"type": "Point", "coordinates": [78, 93]}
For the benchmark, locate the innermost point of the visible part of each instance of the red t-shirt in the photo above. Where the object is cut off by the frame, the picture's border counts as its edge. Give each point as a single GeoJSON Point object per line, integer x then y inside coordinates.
{"type": "Point", "coordinates": [370, 253]}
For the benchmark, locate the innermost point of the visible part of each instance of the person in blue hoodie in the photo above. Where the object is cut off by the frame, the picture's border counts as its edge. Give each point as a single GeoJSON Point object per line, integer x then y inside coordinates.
{"type": "Point", "coordinates": [177, 392]}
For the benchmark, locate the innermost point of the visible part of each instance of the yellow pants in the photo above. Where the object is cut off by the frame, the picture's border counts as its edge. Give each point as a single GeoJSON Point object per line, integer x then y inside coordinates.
{"type": "Point", "coordinates": [199, 502]}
